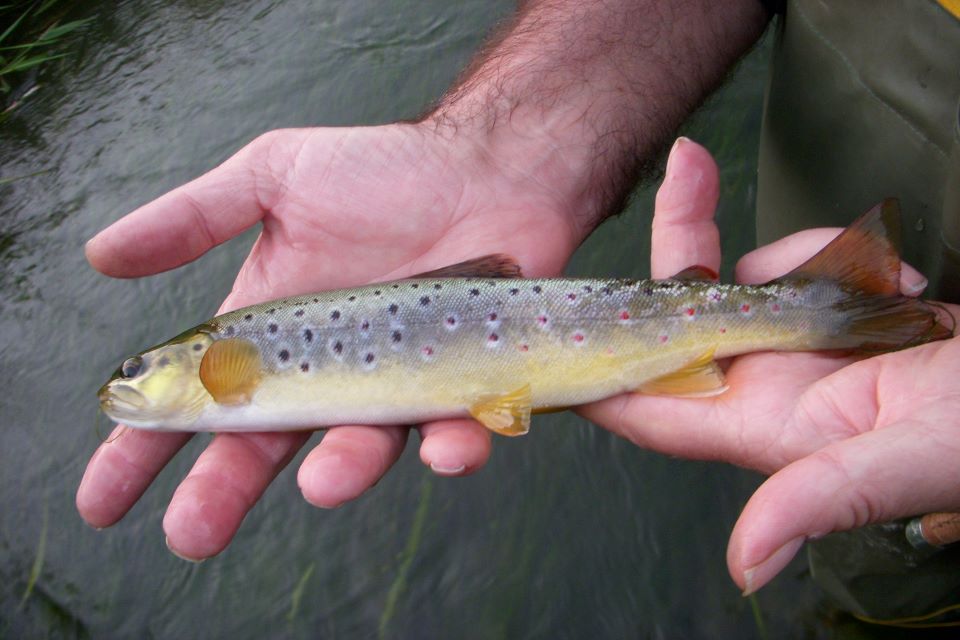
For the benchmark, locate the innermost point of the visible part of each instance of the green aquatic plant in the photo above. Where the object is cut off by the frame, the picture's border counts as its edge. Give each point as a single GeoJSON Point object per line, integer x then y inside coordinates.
{"type": "Point", "coordinates": [32, 37]}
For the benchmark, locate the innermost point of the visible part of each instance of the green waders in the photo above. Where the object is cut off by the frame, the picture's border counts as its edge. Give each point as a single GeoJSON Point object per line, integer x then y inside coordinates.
{"type": "Point", "coordinates": [863, 103]}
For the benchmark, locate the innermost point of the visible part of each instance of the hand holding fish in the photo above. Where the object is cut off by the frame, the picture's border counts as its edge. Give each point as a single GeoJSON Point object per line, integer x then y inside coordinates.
{"type": "Point", "coordinates": [413, 205]}
{"type": "Point", "coordinates": [849, 442]}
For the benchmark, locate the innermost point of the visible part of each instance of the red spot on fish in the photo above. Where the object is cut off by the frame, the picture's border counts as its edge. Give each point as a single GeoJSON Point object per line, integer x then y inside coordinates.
{"type": "Point", "coordinates": [427, 351]}
{"type": "Point", "coordinates": [775, 308]}
{"type": "Point", "coordinates": [663, 339]}
{"type": "Point", "coordinates": [578, 337]}
{"type": "Point", "coordinates": [624, 315]}
{"type": "Point", "coordinates": [690, 311]}
{"type": "Point", "coordinates": [745, 308]}
{"type": "Point", "coordinates": [492, 317]}
{"type": "Point", "coordinates": [493, 337]}
{"type": "Point", "coordinates": [524, 347]}
{"type": "Point", "coordinates": [542, 319]}
{"type": "Point", "coordinates": [571, 296]}
{"type": "Point", "coordinates": [723, 329]}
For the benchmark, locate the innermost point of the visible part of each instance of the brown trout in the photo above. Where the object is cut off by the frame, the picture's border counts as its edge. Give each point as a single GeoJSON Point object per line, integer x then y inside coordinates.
{"type": "Point", "coordinates": [477, 340]}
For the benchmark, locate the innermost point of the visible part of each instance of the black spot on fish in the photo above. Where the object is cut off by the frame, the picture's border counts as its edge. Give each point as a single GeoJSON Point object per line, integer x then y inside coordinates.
{"type": "Point", "coordinates": [588, 288]}
{"type": "Point", "coordinates": [335, 315]}
{"type": "Point", "coordinates": [394, 286]}
{"type": "Point", "coordinates": [272, 328]}
{"type": "Point", "coordinates": [352, 298]}
{"type": "Point", "coordinates": [377, 292]}
{"type": "Point", "coordinates": [197, 347]}
{"type": "Point", "coordinates": [397, 337]}
{"type": "Point", "coordinates": [284, 355]}
{"type": "Point", "coordinates": [274, 310]}
{"type": "Point", "coordinates": [393, 309]}
{"type": "Point", "coordinates": [164, 361]}
{"type": "Point", "coordinates": [438, 286]}
{"type": "Point", "coordinates": [316, 300]}
{"type": "Point", "coordinates": [607, 291]}
{"type": "Point", "coordinates": [414, 286]}
{"type": "Point", "coordinates": [304, 366]}
{"type": "Point", "coordinates": [474, 292]}
{"type": "Point", "coordinates": [307, 335]}
{"type": "Point", "coordinates": [365, 325]}
{"type": "Point", "coordinates": [425, 300]}
{"type": "Point", "coordinates": [647, 291]}
{"type": "Point", "coordinates": [298, 313]}
{"type": "Point", "coordinates": [368, 358]}
{"type": "Point", "coordinates": [537, 289]}
{"type": "Point", "coordinates": [249, 316]}
{"type": "Point", "coordinates": [514, 291]}
{"type": "Point", "coordinates": [338, 347]}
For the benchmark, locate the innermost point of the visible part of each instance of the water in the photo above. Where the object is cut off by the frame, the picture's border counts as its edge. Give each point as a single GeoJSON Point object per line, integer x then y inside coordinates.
{"type": "Point", "coordinates": [568, 532]}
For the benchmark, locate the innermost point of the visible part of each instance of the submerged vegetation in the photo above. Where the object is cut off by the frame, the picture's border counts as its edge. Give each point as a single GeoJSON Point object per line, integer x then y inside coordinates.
{"type": "Point", "coordinates": [31, 34]}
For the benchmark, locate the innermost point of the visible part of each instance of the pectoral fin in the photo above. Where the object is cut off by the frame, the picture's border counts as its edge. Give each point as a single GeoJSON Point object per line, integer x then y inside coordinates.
{"type": "Point", "coordinates": [508, 415]}
{"type": "Point", "coordinates": [699, 378]}
{"type": "Point", "coordinates": [230, 370]}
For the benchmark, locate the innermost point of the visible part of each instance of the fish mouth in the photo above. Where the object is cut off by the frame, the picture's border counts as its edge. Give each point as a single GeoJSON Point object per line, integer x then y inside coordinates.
{"type": "Point", "coordinates": [121, 402]}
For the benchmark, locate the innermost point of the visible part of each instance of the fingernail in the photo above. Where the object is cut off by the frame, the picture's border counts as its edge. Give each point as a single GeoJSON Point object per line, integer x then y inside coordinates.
{"type": "Point", "coordinates": [917, 287]}
{"type": "Point", "coordinates": [759, 575]}
{"type": "Point", "coordinates": [441, 470]}
{"type": "Point", "coordinates": [166, 541]}
{"type": "Point", "coordinates": [676, 145]}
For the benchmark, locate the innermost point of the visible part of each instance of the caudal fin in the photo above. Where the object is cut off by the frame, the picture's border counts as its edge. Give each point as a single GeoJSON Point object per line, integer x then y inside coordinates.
{"type": "Point", "coordinates": [864, 260]}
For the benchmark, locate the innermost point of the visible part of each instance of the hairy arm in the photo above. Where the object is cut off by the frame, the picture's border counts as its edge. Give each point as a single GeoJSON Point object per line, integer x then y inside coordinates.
{"type": "Point", "coordinates": [582, 96]}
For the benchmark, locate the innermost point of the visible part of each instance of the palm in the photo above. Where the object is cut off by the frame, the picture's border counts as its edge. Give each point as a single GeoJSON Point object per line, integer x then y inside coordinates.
{"type": "Point", "coordinates": [339, 207]}
{"type": "Point", "coordinates": [371, 204]}
{"type": "Point", "coordinates": [848, 442]}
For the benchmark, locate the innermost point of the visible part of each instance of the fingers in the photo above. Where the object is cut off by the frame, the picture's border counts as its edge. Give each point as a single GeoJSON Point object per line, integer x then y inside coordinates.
{"type": "Point", "coordinates": [684, 233]}
{"type": "Point", "coordinates": [225, 482]}
{"type": "Point", "coordinates": [454, 447]}
{"type": "Point", "coordinates": [778, 258]}
{"type": "Point", "coordinates": [348, 461]}
{"type": "Point", "coordinates": [188, 221]}
{"type": "Point", "coordinates": [121, 470]}
{"type": "Point", "coordinates": [879, 476]}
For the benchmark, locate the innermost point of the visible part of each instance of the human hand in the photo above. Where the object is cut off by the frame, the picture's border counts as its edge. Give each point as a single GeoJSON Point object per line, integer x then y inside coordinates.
{"type": "Point", "coordinates": [848, 442]}
{"type": "Point", "coordinates": [339, 207]}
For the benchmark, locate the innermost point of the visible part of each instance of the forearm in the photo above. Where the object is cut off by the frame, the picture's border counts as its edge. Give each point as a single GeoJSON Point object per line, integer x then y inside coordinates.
{"type": "Point", "coordinates": [580, 95]}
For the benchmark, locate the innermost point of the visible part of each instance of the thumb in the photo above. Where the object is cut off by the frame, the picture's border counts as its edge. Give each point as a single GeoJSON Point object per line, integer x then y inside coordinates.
{"type": "Point", "coordinates": [684, 233]}
{"type": "Point", "coordinates": [875, 477]}
{"type": "Point", "coordinates": [185, 223]}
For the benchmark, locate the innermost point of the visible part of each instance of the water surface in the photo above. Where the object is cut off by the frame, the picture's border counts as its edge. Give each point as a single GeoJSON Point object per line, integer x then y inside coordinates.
{"type": "Point", "coordinates": [569, 532]}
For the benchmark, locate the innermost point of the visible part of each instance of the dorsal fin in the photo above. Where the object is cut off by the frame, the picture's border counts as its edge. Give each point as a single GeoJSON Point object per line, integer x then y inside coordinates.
{"type": "Point", "coordinates": [495, 265]}
{"type": "Point", "coordinates": [697, 272]}
{"type": "Point", "coordinates": [863, 257]}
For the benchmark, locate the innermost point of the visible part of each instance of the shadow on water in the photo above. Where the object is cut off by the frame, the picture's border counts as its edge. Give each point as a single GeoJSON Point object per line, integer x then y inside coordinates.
{"type": "Point", "coordinates": [568, 532]}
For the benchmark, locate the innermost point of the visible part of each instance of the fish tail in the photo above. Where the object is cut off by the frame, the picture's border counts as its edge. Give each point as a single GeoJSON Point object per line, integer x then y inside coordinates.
{"type": "Point", "coordinates": [864, 261]}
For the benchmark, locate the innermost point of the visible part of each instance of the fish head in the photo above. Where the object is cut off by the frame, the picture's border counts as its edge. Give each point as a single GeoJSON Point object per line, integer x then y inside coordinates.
{"type": "Point", "coordinates": [159, 388]}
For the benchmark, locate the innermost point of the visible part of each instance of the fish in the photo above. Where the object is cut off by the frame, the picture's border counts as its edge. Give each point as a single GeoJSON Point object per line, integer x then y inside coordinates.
{"type": "Point", "coordinates": [478, 340]}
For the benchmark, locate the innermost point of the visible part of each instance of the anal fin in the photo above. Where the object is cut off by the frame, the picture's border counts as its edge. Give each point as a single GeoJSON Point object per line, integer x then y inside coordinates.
{"type": "Point", "coordinates": [699, 378]}
{"type": "Point", "coordinates": [508, 414]}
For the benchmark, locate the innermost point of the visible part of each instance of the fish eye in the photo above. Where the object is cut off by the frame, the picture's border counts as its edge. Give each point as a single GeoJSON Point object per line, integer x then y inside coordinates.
{"type": "Point", "coordinates": [131, 367]}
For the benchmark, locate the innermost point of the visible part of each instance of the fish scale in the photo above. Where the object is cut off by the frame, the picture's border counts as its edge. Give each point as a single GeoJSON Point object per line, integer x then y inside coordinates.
{"type": "Point", "coordinates": [499, 348]}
